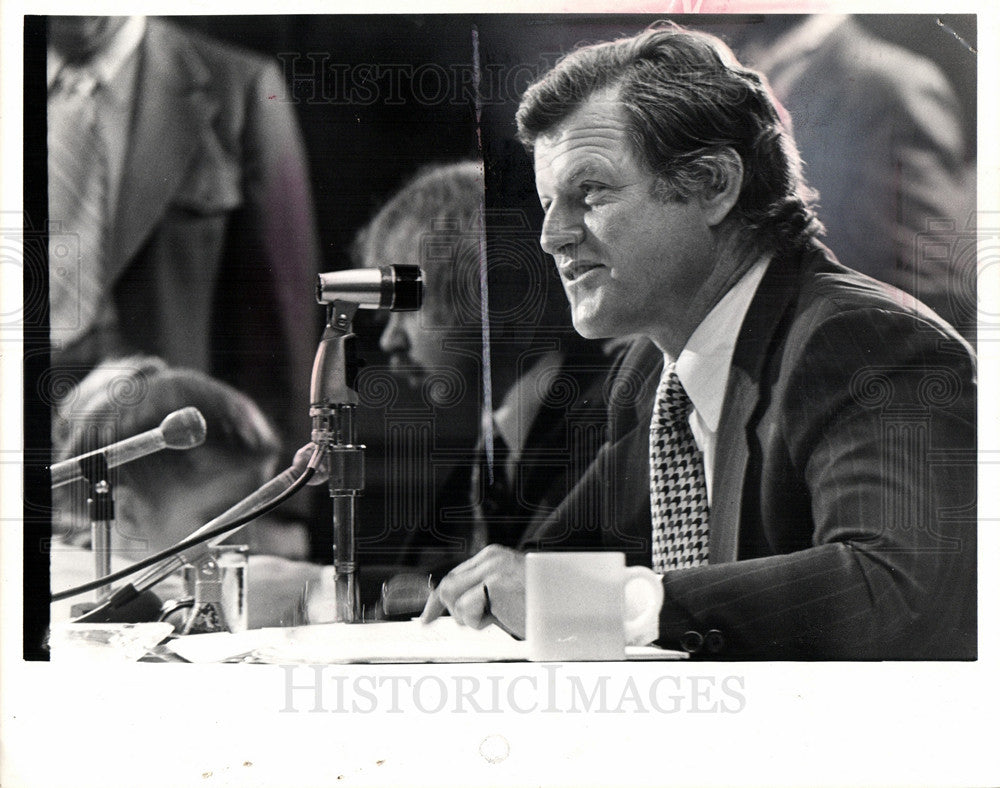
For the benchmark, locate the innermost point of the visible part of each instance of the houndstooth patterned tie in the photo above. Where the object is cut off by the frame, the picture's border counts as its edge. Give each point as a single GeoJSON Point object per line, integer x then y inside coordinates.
{"type": "Point", "coordinates": [78, 191]}
{"type": "Point", "coordinates": [677, 493]}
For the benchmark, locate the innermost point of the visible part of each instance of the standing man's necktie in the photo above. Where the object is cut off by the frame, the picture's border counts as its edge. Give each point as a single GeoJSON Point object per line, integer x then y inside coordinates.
{"type": "Point", "coordinates": [78, 211]}
{"type": "Point", "coordinates": [678, 496]}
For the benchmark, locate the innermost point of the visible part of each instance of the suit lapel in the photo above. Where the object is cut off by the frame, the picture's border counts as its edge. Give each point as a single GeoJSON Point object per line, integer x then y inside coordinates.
{"type": "Point", "coordinates": [753, 347]}
{"type": "Point", "coordinates": [628, 519]}
{"type": "Point", "coordinates": [171, 109]}
{"type": "Point", "coordinates": [730, 466]}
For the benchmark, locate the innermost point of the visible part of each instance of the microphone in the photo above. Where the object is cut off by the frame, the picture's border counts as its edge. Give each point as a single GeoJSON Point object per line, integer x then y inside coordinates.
{"type": "Point", "coordinates": [182, 429]}
{"type": "Point", "coordinates": [398, 288]}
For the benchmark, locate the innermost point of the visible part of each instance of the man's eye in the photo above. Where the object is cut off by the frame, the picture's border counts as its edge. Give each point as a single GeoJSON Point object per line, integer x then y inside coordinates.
{"type": "Point", "coordinates": [590, 189]}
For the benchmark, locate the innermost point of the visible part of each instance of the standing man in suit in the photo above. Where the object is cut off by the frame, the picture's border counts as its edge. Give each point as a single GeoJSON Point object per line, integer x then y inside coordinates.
{"type": "Point", "coordinates": [884, 146]}
{"type": "Point", "coordinates": [792, 444]}
{"type": "Point", "coordinates": [180, 215]}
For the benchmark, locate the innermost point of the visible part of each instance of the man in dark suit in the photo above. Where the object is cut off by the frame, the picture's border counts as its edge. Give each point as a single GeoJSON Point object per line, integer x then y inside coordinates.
{"type": "Point", "coordinates": [178, 176]}
{"type": "Point", "coordinates": [792, 444]}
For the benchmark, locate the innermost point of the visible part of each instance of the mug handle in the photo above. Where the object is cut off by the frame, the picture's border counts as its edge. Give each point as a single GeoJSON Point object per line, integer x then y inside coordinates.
{"type": "Point", "coordinates": [643, 600]}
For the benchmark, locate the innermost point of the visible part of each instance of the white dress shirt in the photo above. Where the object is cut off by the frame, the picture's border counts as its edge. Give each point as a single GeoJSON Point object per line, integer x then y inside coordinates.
{"type": "Point", "coordinates": [704, 363]}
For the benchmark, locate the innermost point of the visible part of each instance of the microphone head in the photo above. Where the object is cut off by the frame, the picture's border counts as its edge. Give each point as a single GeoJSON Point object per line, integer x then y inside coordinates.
{"type": "Point", "coordinates": [183, 429]}
{"type": "Point", "coordinates": [407, 288]}
{"type": "Point", "coordinates": [398, 288]}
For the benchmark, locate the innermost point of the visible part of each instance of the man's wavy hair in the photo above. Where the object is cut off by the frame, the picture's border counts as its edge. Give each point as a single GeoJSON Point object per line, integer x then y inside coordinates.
{"type": "Point", "coordinates": [686, 97]}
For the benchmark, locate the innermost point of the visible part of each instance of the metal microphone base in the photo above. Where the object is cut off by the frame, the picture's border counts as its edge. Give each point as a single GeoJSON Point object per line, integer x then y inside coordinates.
{"type": "Point", "coordinates": [347, 604]}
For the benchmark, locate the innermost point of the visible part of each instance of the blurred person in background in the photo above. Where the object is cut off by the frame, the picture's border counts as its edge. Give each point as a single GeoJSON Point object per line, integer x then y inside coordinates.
{"type": "Point", "coordinates": [880, 132]}
{"type": "Point", "coordinates": [163, 497]}
{"type": "Point", "coordinates": [546, 413]}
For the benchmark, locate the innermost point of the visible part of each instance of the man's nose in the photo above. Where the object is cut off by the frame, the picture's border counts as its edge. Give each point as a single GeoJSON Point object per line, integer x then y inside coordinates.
{"type": "Point", "coordinates": [562, 229]}
{"type": "Point", "coordinates": [394, 338]}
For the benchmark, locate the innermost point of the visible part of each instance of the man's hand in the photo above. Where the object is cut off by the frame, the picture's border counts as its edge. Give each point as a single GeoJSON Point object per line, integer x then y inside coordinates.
{"type": "Point", "coordinates": [486, 589]}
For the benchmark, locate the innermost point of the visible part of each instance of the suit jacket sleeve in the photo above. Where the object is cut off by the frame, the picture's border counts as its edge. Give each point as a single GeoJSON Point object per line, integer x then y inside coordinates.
{"type": "Point", "coordinates": [271, 262]}
{"type": "Point", "coordinates": [932, 186]}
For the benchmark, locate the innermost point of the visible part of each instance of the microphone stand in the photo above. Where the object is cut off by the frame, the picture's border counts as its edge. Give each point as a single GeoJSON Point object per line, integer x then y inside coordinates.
{"type": "Point", "coordinates": [334, 399]}
{"type": "Point", "coordinates": [101, 508]}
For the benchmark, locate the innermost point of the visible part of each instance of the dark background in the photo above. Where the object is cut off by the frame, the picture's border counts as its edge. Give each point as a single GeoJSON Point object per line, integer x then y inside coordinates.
{"type": "Point", "coordinates": [377, 97]}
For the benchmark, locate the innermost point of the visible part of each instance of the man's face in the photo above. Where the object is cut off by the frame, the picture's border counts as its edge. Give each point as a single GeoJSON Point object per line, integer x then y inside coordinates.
{"type": "Point", "coordinates": [78, 37]}
{"type": "Point", "coordinates": [422, 343]}
{"type": "Point", "coordinates": [630, 263]}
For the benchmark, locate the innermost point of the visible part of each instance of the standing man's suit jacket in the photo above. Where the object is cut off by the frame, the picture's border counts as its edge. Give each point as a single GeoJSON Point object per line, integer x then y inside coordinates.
{"type": "Point", "coordinates": [213, 249]}
{"type": "Point", "coordinates": [843, 516]}
{"type": "Point", "coordinates": [883, 146]}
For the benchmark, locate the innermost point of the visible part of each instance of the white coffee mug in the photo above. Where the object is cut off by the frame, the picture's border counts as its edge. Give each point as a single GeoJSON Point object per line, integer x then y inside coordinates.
{"type": "Point", "coordinates": [588, 606]}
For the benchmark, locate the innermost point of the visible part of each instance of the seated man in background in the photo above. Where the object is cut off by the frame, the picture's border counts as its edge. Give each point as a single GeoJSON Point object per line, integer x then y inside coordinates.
{"type": "Point", "coordinates": [792, 444]}
{"type": "Point", "coordinates": [543, 416]}
{"type": "Point", "coordinates": [161, 498]}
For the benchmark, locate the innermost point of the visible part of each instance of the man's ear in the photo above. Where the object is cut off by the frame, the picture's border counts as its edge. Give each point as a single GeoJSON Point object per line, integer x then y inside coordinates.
{"type": "Point", "coordinates": [723, 168]}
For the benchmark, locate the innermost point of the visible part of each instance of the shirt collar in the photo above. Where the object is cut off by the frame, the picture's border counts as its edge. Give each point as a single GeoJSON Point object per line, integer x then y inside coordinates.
{"type": "Point", "coordinates": [703, 365]}
{"type": "Point", "coordinates": [106, 63]}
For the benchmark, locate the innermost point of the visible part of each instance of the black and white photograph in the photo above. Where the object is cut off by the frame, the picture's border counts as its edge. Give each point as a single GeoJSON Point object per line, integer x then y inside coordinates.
{"type": "Point", "coordinates": [499, 396]}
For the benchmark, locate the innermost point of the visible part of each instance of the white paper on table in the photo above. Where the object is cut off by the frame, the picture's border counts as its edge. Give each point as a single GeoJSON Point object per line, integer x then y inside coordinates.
{"type": "Point", "coordinates": [390, 641]}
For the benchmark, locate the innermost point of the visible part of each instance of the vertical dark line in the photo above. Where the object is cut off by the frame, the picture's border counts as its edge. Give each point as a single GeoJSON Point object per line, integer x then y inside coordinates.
{"type": "Point", "coordinates": [483, 270]}
{"type": "Point", "coordinates": [37, 525]}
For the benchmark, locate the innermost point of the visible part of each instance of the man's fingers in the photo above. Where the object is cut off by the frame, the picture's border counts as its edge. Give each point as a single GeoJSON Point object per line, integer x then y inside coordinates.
{"type": "Point", "coordinates": [463, 596]}
{"type": "Point", "coordinates": [433, 609]}
{"type": "Point", "coordinates": [474, 566]}
{"type": "Point", "coordinates": [470, 608]}
{"type": "Point", "coordinates": [461, 591]}
{"type": "Point", "coordinates": [449, 592]}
